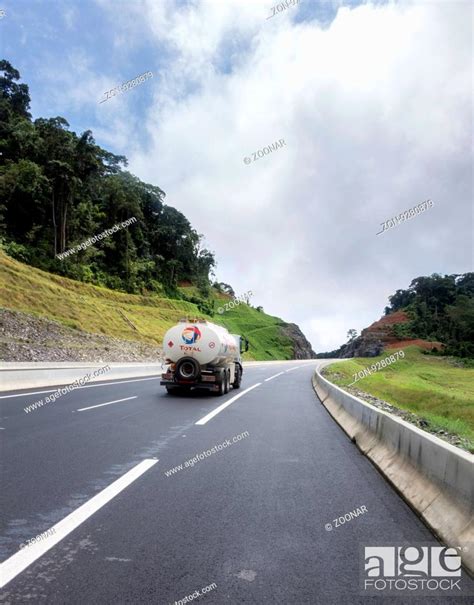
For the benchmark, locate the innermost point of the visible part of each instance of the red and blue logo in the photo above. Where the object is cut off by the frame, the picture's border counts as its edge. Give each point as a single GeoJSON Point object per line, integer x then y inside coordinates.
{"type": "Point", "coordinates": [191, 335]}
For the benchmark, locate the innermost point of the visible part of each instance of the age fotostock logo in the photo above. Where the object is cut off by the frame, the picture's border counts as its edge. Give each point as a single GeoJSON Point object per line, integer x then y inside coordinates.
{"type": "Point", "coordinates": [408, 568]}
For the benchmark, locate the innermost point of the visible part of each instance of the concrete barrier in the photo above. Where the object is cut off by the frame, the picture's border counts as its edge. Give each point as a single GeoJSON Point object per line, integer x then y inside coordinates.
{"type": "Point", "coordinates": [27, 375]}
{"type": "Point", "coordinates": [15, 376]}
{"type": "Point", "coordinates": [434, 477]}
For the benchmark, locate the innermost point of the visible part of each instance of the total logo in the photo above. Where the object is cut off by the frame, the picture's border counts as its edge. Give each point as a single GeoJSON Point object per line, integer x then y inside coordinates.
{"type": "Point", "coordinates": [191, 335]}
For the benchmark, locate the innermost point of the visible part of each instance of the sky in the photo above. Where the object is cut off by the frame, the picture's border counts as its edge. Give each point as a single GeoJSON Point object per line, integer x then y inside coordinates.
{"type": "Point", "coordinates": [373, 102]}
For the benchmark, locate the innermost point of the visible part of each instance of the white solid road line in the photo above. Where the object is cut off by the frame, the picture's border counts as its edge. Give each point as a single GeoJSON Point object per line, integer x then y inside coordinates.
{"type": "Point", "coordinates": [99, 405]}
{"type": "Point", "coordinates": [272, 377]}
{"type": "Point", "coordinates": [224, 405]}
{"type": "Point", "coordinates": [86, 386]}
{"type": "Point", "coordinates": [18, 562]}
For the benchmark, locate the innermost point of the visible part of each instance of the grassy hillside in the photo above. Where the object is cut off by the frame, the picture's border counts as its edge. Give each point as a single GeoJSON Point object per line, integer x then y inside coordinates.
{"type": "Point", "coordinates": [436, 389]}
{"type": "Point", "coordinates": [99, 310]}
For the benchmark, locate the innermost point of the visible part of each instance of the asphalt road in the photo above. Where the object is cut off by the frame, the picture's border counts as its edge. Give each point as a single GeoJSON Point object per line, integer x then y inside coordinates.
{"type": "Point", "coordinates": [250, 521]}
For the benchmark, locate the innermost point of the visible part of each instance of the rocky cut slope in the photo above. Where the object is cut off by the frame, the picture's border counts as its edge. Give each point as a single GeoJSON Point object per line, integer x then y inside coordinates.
{"type": "Point", "coordinates": [301, 346]}
{"type": "Point", "coordinates": [373, 339]}
{"type": "Point", "coordinates": [24, 337]}
{"type": "Point", "coordinates": [379, 336]}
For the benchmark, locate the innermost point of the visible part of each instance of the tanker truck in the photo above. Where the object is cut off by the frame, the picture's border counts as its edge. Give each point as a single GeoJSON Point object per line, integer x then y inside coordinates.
{"type": "Point", "coordinates": [202, 355]}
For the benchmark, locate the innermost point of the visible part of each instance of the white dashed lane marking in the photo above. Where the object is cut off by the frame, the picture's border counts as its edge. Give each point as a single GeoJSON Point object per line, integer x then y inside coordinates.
{"type": "Point", "coordinates": [99, 405]}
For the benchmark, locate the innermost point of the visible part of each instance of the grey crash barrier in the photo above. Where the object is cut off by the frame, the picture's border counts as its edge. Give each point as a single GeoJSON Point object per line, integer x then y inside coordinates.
{"type": "Point", "coordinates": [30, 375]}
{"type": "Point", "coordinates": [27, 375]}
{"type": "Point", "coordinates": [434, 477]}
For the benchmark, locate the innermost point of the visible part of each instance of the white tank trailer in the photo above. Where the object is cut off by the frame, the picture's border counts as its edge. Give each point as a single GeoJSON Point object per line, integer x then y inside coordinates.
{"type": "Point", "coordinates": [202, 355]}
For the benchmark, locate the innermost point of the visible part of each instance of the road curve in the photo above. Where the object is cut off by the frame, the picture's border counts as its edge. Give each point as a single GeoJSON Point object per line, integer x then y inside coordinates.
{"type": "Point", "coordinates": [252, 520]}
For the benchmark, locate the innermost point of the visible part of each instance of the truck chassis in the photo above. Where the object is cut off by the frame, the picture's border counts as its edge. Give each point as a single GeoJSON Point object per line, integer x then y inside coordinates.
{"type": "Point", "coordinates": [187, 374]}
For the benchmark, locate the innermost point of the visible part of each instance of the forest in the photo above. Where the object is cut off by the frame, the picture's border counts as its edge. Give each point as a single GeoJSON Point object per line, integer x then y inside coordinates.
{"type": "Point", "coordinates": [58, 189]}
{"type": "Point", "coordinates": [440, 308]}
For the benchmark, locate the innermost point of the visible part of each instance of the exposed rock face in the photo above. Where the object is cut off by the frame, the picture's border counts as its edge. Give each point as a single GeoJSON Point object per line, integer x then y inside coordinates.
{"type": "Point", "coordinates": [25, 337]}
{"type": "Point", "coordinates": [301, 347]}
{"type": "Point", "coordinates": [373, 339]}
{"type": "Point", "coordinates": [379, 336]}
{"type": "Point", "coordinates": [362, 346]}
{"type": "Point", "coordinates": [382, 329]}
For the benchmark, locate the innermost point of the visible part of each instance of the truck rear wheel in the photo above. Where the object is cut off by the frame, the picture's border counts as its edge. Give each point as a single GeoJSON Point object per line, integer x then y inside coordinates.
{"type": "Point", "coordinates": [227, 381]}
{"type": "Point", "coordinates": [221, 382]}
{"type": "Point", "coordinates": [238, 378]}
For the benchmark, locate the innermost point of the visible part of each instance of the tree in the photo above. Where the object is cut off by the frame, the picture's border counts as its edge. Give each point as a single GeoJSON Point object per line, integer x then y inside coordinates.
{"type": "Point", "coordinates": [399, 300]}
{"type": "Point", "coordinates": [227, 289]}
{"type": "Point", "coordinates": [17, 95]}
{"type": "Point", "coordinates": [351, 335]}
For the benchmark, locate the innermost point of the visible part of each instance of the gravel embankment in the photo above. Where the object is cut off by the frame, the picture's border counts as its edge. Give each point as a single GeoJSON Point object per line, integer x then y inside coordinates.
{"type": "Point", "coordinates": [24, 337]}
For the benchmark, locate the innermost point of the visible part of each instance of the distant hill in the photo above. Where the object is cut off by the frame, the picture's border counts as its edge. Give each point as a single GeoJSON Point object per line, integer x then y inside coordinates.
{"type": "Point", "coordinates": [46, 317]}
{"type": "Point", "coordinates": [435, 313]}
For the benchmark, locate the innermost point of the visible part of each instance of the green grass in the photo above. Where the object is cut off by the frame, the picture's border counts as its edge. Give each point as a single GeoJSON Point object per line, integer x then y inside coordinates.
{"type": "Point", "coordinates": [431, 387]}
{"type": "Point", "coordinates": [95, 310]}
{"type": "Point", "coordinates": [262, 331]}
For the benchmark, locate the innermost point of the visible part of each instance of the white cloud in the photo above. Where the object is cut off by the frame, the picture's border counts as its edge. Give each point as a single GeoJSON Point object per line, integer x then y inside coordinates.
{"type": "Point", "coordinates": [376, 114]}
